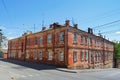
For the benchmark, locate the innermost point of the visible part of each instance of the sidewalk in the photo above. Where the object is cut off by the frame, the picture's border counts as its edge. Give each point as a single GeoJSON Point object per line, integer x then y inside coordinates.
{"type": "Point", "coordinates": [82, 70]}
{"type": "Point", "coordinates": [5, 75]}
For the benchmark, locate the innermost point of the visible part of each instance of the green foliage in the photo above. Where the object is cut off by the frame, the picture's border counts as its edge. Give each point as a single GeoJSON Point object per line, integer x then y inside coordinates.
{"type": "Point", "coordinates": [117, 50]}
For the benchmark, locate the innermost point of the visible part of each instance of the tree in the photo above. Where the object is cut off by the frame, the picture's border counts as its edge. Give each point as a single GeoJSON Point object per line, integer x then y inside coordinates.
{"type": "Point", "coordinates": [117, 50]}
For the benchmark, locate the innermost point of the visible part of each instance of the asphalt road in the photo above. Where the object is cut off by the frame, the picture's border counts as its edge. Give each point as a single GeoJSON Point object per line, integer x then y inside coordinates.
{"type": "Point", "coordinates": [18, 70]}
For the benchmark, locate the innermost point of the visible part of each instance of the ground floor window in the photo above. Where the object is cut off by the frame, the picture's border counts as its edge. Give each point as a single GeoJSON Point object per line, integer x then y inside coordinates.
{"type": "Point", "coordinates": [27, 54]}
{"type": "Point", "coordinates": [50, 56]}
{"type": "Point", "coordinates": [75, 56]}
{"type": "Point", "coordinates": [86, 55]}
{"type": "Point", "coordinates": [35, 55]}
{"type": "Point", "coordinates": [19, 54]}
{"type": "Point", "coordinates": [60, 56]}
{"type": "Point", "coordinates": [40, 55]}
{"type": "Point", "coordinates": [82, 56]}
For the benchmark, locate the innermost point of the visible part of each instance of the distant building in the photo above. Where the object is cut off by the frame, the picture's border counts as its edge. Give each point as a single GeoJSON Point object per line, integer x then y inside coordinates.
{"type": "Point", "coordinates": [63, 45]}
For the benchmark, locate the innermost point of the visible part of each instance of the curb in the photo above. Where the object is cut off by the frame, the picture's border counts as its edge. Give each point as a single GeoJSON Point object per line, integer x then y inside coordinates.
{"type": "Point", "coordinates": [66, 71]}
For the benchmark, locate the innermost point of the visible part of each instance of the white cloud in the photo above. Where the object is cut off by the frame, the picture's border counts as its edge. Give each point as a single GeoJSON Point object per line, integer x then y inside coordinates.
{"type": "Point", "coordinates": [118, 32]}
{"type": "Point", "coordinates": [2, 27]}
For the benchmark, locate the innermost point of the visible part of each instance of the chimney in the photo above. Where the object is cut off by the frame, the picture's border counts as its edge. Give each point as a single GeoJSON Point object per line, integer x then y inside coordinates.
{"type": "Point", "coordinates": [56, 25]}
{"type": "Point", "coordinates": [90, 30]}
{"type": "Point", "coordinates": [43, 28]}
{"type": "Point", "coordinates": [51, 26]}
{"type": "Point", "coordinates": [76, 26]}
{"type": "Point", "coordinates": [67, 23]}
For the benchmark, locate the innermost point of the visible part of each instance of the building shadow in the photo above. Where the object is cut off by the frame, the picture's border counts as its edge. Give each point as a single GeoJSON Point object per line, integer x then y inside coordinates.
{"type": "Point", "coordinates": [29, 64]}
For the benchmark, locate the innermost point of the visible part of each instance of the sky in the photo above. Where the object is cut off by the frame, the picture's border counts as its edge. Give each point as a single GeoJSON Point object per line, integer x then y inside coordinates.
{"type": "Point", "coordinates": [18, 16]}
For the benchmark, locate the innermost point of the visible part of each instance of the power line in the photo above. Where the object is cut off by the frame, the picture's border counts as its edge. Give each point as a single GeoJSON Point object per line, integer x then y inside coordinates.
{"type": "Point", "coordinates": [4, 5]}
{"type": "Point", "coordinates": [107, 32]}
{"type": "Point", "coordinates": [103, 15]}
{"type": "Point", "coordinates": [106, 24]}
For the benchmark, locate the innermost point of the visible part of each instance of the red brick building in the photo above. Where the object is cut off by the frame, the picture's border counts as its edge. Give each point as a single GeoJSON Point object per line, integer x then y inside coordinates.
{"type": "Point", "coordinates": [63, 45]}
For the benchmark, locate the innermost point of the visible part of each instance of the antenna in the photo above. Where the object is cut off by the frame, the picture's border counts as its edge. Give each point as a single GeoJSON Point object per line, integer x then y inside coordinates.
{"type": "Point", "coordinates": [73, 22]}
{"type": "Point", "coordinates": [43, 20]}
{"type": "Point", "coordinates": [34, 27]}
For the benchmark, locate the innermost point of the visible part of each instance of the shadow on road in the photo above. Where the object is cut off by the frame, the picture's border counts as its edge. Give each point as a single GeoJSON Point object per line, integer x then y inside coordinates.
{"type": "Point", "coordinates": [33, 65]}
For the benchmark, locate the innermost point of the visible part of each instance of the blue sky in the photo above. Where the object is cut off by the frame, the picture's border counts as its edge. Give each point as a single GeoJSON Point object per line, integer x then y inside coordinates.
{"type": "Point", "coordinates": [17, 16]}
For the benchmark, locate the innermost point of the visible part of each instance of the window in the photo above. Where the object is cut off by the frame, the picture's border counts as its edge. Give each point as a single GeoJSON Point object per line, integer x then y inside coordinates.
{"type": "Point", "coordinates": [86, 41]}
{"type": "Point", "coordinates": [19, 54]}
{"type": "Point", "coordinates": [49, 38]}
{"type": "Point", "coordinates": [50, 56]}
{"type": "Point", "coordinates": [82, 56]}
{"type": "Point", "coordinates": [90, 41]}
{"type": "Point", "coordinates": [36, 40]}
{"type": "Point", "coordinates": [75, 56]}
{"type": "Point", "coordinates": [41, 40]}
{"type": "Point", "coordinates": [82, 40]}
{"type": "Point", "coordinates": [61, 38]}
{"type": "Point", "coordinates": [27, 54]}
{"type": "Point", "coordinates": [75, 38]}
{"type": "Point", "coordinates": [60, 56]}
{"type": "Point", "coordinates": [86, 55]}
{"type": "Point", "coordinates": [35, 55]}
{"type": "Point", "coordinates": [28, 41]}
{"type": "Point", "coordinates": [40, 56]}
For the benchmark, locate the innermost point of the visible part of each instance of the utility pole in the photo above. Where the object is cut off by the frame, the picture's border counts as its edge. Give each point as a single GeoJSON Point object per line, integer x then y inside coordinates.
{"type": "Point", "coordinates": [0, 37]}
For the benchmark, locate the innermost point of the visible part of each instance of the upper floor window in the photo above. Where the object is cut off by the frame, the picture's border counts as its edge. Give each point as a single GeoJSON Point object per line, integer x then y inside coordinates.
{"type": "Point", "coordinates": [41, 40]}
{"type": "Point", "coordinates": [75, 38]}
{"type": "Point", "coordinates": [75, 56]}
{"type": "Point", "coordinates": [90, 41]}
{"type": "Point", "coordinates": [82, 40]}
{"type": "Point", "coordinates": [61, 38]}
{"type": "Point", "coordinates": [28, 41]}
{"type": "Point", "coordinates": [49, 38]}
{"type": "Point", "coordinates": [36, 40]}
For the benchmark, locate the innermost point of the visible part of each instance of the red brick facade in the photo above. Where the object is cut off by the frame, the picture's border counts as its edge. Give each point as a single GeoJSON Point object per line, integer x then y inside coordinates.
{"type": "Point", "coordinates": [65, 46]}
